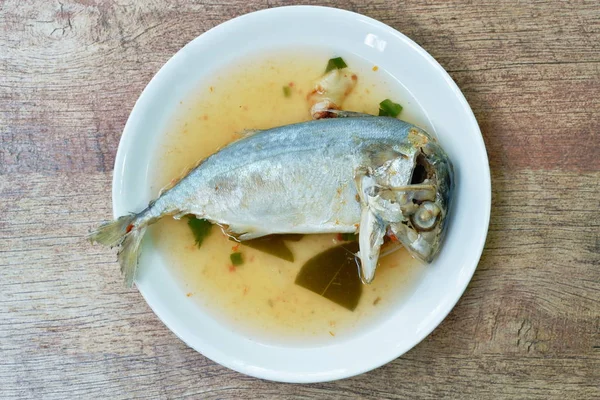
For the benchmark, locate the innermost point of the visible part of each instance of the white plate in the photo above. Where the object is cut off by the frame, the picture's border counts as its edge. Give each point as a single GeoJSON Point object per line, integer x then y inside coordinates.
{"type": "Point", "coordinates": [453, 122]}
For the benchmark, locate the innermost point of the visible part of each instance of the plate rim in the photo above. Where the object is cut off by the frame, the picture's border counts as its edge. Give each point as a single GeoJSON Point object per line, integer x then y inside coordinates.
{"type": "Point", "coordinates": [472, 121]}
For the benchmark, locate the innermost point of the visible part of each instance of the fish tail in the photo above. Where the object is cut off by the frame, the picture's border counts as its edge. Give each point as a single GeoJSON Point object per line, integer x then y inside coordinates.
{"type": "Point", "coordinates": [126, 232]}
{"type": "Point", "coordinates": [129, 254]}
{"type": "Point", "coordinates": [112, 233]}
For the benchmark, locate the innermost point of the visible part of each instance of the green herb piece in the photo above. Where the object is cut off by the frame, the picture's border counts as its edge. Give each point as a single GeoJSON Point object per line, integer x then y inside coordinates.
{"type": "Point", "coordinates": [272, 244]}
{"type": "Point", "coordinates": [333, 274]}
{"type": "Point", "coordinates": [236, 258]}
{"type": "Point", "coordinates": [200, 228]}
{"type": "Point", "coordinates": [287, 91]}
{"type": "Point", "coordinates": [388, 108]}
{"type": "Point", "coordinates": [349, 237]}
{"type": "Point", "coordinates": [335, 63]}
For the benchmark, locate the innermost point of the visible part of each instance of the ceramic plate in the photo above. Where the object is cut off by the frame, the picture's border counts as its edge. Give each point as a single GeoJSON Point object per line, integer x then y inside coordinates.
{"type": "Point", "coordinates": [452, 121]}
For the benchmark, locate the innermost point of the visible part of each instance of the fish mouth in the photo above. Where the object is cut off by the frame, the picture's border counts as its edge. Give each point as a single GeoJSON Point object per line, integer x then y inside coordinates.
{"type": "Point", "coordinates": [425, 221]}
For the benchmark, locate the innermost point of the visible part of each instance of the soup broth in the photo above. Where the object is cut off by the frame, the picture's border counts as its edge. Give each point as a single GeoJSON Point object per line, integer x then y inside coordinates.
{"type": "Point", "coordinates": [260, 297]}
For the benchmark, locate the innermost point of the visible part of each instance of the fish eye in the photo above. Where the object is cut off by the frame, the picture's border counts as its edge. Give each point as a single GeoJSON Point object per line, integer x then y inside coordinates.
{"type": "Point", "coordinates": [427, 216]}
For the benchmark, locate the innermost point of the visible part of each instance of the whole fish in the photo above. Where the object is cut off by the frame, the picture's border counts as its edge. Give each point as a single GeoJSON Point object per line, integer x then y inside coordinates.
{"type": "Point", "coordinates": [352, 174]}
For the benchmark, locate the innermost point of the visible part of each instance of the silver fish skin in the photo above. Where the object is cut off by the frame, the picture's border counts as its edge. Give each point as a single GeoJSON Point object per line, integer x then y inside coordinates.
{"type": "Point", "coordinates": [347, 174]}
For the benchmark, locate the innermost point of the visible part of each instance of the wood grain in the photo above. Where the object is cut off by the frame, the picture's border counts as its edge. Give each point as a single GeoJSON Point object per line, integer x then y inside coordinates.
{"type": "Point", "coordinates": [528, 326]}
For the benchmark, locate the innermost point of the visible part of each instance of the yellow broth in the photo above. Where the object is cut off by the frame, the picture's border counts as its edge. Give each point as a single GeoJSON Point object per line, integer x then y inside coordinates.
{"type": "Point", "coordinates": [259, 297]}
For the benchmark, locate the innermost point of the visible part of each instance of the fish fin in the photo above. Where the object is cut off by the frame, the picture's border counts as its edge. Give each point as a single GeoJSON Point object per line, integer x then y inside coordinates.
{"type": "Point", "coordinates": [112, 233]}
{"type": "Point", "coordinates": [127, 233]}
{"type": "Point", "coordinates": [372, 229]}
{"type": "Point", "coordinates": [370, 238]}
{"type": "Point", "coordinates": [129, 254]}
{"type": "Point", "coordinates": [251, 235]}
{"type": "Point", "coordinates": [347, 114]}
{"type": "Point", "coordinates": [241, 233]}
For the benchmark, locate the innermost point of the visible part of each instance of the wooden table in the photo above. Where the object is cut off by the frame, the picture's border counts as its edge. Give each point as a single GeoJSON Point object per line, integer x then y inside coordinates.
{"type": "Point", "coordinates": [528, 325]}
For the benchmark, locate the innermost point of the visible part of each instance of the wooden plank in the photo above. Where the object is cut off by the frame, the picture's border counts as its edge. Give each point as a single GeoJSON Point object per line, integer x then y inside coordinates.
{"type": "Point", "coordinates": [70, 74]}
{"type": "Point", "coordinates": [528, 326]}
{"type": "Point", "coordinates": [528, 322]}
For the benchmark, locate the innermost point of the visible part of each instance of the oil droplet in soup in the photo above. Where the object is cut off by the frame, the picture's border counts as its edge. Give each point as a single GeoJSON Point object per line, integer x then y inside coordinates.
{"type": "Point", "coordinates": [259, 297]}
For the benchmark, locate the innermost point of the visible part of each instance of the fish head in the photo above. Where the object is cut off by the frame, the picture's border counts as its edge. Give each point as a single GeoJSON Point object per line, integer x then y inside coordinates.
{"type": "Point", "coordinates": [408, 196]}
{"type": "Point", "coordinates": [425, 203]}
